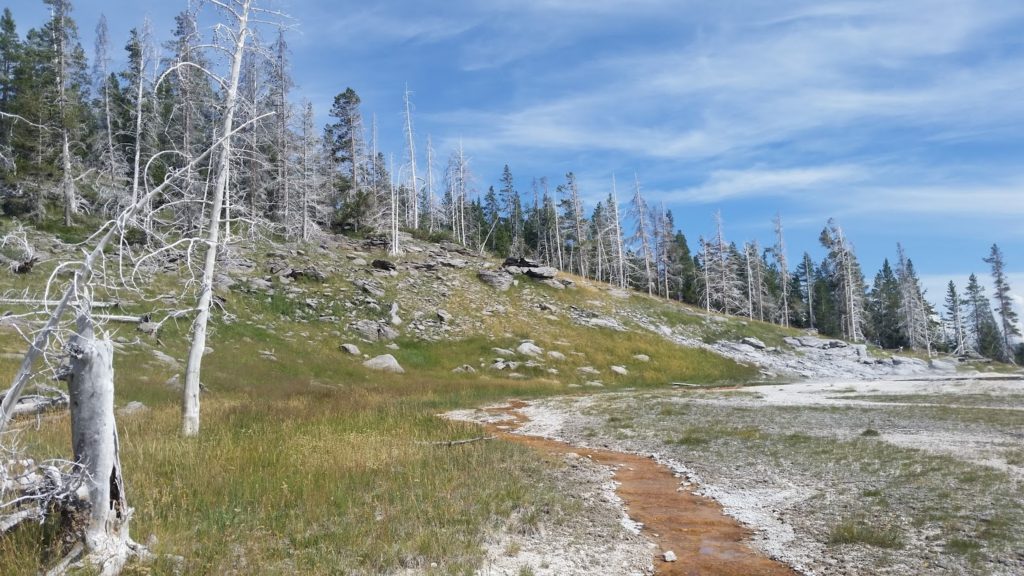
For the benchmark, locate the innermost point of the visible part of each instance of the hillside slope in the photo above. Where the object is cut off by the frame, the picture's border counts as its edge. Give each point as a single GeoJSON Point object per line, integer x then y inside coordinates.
{"type": "Point", "coordinates": [309, 459]}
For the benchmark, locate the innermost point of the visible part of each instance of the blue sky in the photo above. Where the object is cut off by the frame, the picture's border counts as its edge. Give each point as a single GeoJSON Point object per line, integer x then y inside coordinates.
{"type": "Point", "coordinates": [903, 120]}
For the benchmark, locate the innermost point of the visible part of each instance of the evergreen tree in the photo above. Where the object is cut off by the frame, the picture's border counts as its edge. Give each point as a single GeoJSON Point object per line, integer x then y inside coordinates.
{"type": "Point", "coordinates": [347, 148]}
{"type": "Point", "coordinates": [846, 282]}
{"type": "Point", "coordinates": [955, 318]}
{"type": "Point", "coordinates": [982, 330]}
{"type": "Point", "coordinates": [10, 53]}
{"type": "Point", "coordinates": [1004, 304]}
{"type": "Point", "coordinates": [884, 305]}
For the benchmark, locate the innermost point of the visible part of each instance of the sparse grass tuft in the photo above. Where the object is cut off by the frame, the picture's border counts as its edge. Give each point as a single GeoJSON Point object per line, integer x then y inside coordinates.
{"type": "Point", "coordinates": [859, 531]}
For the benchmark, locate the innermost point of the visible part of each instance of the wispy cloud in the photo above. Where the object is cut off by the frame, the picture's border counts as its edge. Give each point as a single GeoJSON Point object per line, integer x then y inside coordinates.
{"type": "Point", "coordinates": [733, 184]}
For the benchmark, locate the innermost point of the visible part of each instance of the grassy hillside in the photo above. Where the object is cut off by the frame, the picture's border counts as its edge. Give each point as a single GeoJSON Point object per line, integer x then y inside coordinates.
{"type": "Point", "coordinates": [310, 463]}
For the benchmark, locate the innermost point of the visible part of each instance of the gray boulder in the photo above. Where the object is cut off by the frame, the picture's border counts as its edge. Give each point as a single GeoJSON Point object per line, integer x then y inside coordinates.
{"type": "Point", "coordinates": [350, 349]}
{"type": "Point", "coordinates": [498, 280]}
{"type": "Point", "coordinates": [372, 331]}
{"type": "Point", "coordinates": [754, 343]}
{"type": "Point", "coordinates": [384, 363]}
{"type": "Point", "coordinates": [542, 272]}
{"type": "Point", "coordinates": [529, 349]}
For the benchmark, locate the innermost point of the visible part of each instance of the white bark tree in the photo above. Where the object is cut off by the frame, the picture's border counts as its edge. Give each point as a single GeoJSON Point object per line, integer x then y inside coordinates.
{"type": "Point", "coordinates": [413, 201]}
{"type": "Point", "coordinates": [239, 13]}
{"type": "Point", "coordinates": [779, 252]}
{"type": "Point", "coordinates": [639, 212]}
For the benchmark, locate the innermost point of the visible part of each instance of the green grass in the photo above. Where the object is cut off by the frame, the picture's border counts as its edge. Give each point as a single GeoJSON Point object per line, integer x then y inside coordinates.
{"type": "Point", "coordinates": [859, 531]}
{"type": "Point", "coordinates": [311, 464]}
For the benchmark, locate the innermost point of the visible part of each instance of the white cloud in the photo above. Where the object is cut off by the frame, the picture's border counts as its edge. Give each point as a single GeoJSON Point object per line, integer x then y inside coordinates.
{"type": "Point", "coordinates": [733, 184]}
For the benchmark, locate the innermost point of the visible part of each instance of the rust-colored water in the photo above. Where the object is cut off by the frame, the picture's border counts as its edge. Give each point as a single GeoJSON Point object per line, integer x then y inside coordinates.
{"type": "Point", "coordinates": [705, 540]}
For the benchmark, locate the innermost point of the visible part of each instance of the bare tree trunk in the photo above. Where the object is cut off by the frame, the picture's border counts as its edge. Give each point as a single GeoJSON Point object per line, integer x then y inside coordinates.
{"type": "Point", "coordinates": [414, 200]}
{"type": "Point", "coordinates": [190, 399]}
{"type": "Point", "coordinates": [96, 449]}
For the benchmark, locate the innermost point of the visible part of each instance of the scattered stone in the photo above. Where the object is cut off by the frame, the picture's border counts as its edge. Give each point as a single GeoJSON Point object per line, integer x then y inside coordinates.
{"type": "Point", "coordinates": [754, 343]}
{"type": "Point", "coordinates": [268, 355]}
{"type": "Point", "coordinates": [444, 316]}
{"type": "Point", "coordinates": [620, 370]}
{"type": "Point", "coordinates": [556, 355]}
{"type": "Point", "coordinates": [372, 331]}
{"type": "Point", "coordinates": [669, 556]}
{"type": "Point", "coordinates": [174, 382]}
{"type": "Point", "coordinates": [641, 357]}
{"type": "Point", "coordinates": [529, 349]}
{"type": "Point", "coordinates": [384, 363]}
{"type": "Point", "coordinates": [942, 364]}
{"type": "Point", "coordinates": [350, 349]}
{"type": "Point", "coordinates": [588, 370]}
{"type": "Point", "coordinates": [553, 283]}
{"type": "Point", "coordinates": [503, 352]}
{"type": "Point", "coordinates": [260, 284]}
{"type": "Point", "coordinates": [542, 272]}
{"type": "Point", "coordinates": [133, 407]}
{"type": "Point", "coordinates": [358, 261]}
{"type": "Point", "coordinates": [464, 369]}
{"type": "Point", "coordinates": [166, 359]}
{"type": "Point", "coordinates": [499, 280]}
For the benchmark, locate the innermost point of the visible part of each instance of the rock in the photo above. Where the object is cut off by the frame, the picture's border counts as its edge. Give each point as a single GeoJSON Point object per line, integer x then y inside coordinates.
{"type": "Point", "coordinates": [499, 280]}
{"type": "Point", "coordinates": [529, 349]}
{"type": "Point", "coordinates": [133, 407]}
{"type": "Point", "coordinates": [641, 357]}
{"type": "Point", "coordinates": [553, 283]}
{"type": "Point", "coordinates": [520, 263]}
{"type": "Point", "coordinates": [165, 359]}
{"type": "Point", "coordinates": [605, 323]}
{"type": "Point", "coordinates": [444, 317]}
{"type": "Point", "coordinates": [754, 343]}
{"type": "Point", "coordinates": [503, 352]}
{"type": "Point", "coordinates": [669, 556]}
{"type": "Point", "coordinates": [358, 262]}
{"type": "Point", "coordinates": [620, 370]}
{"type": "Point", "coordinates": [260, 284]}
{"type": "Point", "coordinates": [396, 320]}
{"type": "Point", "coordinates": [174, 382]}
{"type": "Point", "coordinates": [464, 369]}
{"type": "Point", "coordinates": [556, 355]}
{"type": "Point", "coordinates": [384, 363]}
{"type": "Point", "coordinates": [384, 265]}
{"type": "Point", "coordinates": [268, 355]}
{"type": "Point", "coordinates": [350, 349]}
{"type": "Point", "coordinates": [943, 365]}
{"type": "Point", "coordinates": [148, 328]}
{"type": "Point", "coordinates": [542, 272]}
{"type": "Point", "coordinates": [372, 331]}
{"type": "Point", "coordinates": [588, 370]}
{"type": "Point", "coordinates": [370, 289]}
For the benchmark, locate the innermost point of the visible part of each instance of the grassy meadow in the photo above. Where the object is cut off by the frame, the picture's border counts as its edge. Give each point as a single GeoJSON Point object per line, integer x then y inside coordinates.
{"type": "Point", "coordinates": [309, 463]}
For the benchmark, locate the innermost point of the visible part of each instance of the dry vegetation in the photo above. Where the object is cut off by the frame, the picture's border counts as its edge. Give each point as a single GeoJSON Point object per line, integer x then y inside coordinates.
{"type": "Point", "coordinates": [309, 462]}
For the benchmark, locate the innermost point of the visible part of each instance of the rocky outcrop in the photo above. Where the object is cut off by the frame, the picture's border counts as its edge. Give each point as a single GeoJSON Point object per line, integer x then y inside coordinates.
{"type": "Point", "coordinates": [373, 331]}
{"type": "Point", "coordinates": [499, 280]}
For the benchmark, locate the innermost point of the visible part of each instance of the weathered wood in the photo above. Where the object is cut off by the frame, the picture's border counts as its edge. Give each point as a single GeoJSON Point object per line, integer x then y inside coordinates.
{"type": "Point", "coordinates": [96, 448]}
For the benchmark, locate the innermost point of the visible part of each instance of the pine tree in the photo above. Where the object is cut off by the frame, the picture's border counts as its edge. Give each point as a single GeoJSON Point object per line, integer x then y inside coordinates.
{"type": "Point", "coordinates": [885, 307]}
{"type": "Point", "coordinates": [982, 330]}
{"type": "Point", "coordinates": [10, 54]}
{"type": "Point", "coordinates": [347, 153]}
{"type": "Point", "coordinates": [1004, 304]}
{"type": "Point", "coordinates": [955, 317]}
{"type": "Point", "coordinates": [847, 282]}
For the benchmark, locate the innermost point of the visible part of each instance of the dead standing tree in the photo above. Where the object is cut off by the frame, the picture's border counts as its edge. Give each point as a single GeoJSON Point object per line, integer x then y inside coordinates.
{"type": "Point", "coordinates": [242, 14]}
{"type": "Point", "coordinates": [91, 489]}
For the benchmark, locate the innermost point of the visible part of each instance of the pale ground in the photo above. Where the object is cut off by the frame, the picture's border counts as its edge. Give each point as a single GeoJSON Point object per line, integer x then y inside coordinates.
{"type": "Point", "coordinates": [790, 507]}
